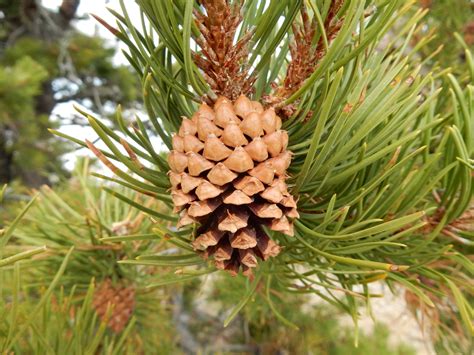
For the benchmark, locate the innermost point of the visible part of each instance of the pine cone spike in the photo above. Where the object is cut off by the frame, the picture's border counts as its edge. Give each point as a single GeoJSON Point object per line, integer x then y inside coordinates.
{"type": "Point", "coordinates": [198, 164]}
{"type": "Point", "coordinates": [233, 135]}
{"type": "Point", "coordinates": [249, 185]}
{"type": "Point", "coordinates": [228, 171]}
{"type": "Point", "coordinates": [175, 179]}
{"type": "Point", "coordinates": [208, 239]}
{"type": "Point", "coordinates": [207, 190]}
{"type": "Point", "coordinates": [264, 172]}
{"type": "Point", "coordinates": [205, 127]}
{"type": "Point", "coordinates": [177, 161]}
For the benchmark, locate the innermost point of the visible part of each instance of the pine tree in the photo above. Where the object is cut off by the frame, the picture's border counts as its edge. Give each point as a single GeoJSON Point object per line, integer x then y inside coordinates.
{"type": "Point", "coordinates": [381, 144]}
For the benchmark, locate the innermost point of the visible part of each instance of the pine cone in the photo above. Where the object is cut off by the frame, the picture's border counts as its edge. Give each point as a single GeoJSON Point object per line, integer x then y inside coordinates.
{"type": "Point", "coordinates": [228, 170]}
{"type": "Point", "coordinates": [469, 33]}
{"type": "Point", "coordinates": [120, 298]}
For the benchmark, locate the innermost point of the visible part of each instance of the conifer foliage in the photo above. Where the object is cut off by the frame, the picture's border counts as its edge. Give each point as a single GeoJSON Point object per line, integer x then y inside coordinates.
{"type": "Point", "coordinates": [381, 152]}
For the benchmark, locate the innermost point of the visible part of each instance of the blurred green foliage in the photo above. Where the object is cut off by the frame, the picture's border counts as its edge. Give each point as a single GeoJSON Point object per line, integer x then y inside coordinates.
{"type": "Point", "coordinates": [24, 131]}
{"type": "Point", "coordinates": [90, 56]}
{"type": "Point", "coordinates": [19, 83]}
{"type": "Point", "coordinates": [444, 19]}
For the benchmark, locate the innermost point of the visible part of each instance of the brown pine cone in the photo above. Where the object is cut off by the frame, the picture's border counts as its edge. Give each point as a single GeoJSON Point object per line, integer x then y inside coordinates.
{"type": "Point", "coordinates": [228, 170]}
{"type": "Point", "coordinates": [120, 298]}
{"type": "Point", "coordinates": [469, 33]}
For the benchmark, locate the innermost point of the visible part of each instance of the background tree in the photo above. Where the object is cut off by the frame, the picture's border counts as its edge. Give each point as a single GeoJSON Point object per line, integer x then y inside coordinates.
{"type": "Point", "coordinates": [45, 61]}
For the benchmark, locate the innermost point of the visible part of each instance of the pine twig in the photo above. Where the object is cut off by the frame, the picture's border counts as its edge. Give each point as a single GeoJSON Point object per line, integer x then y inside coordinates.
{"type": "Point", "coordinates": [222, 61]}
{"type": "Point", "coordinates": [305, 54]}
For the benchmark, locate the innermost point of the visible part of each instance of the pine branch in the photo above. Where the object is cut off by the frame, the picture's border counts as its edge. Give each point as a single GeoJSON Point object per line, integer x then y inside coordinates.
{"type": "Point", "coordinates": [371, 137]}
